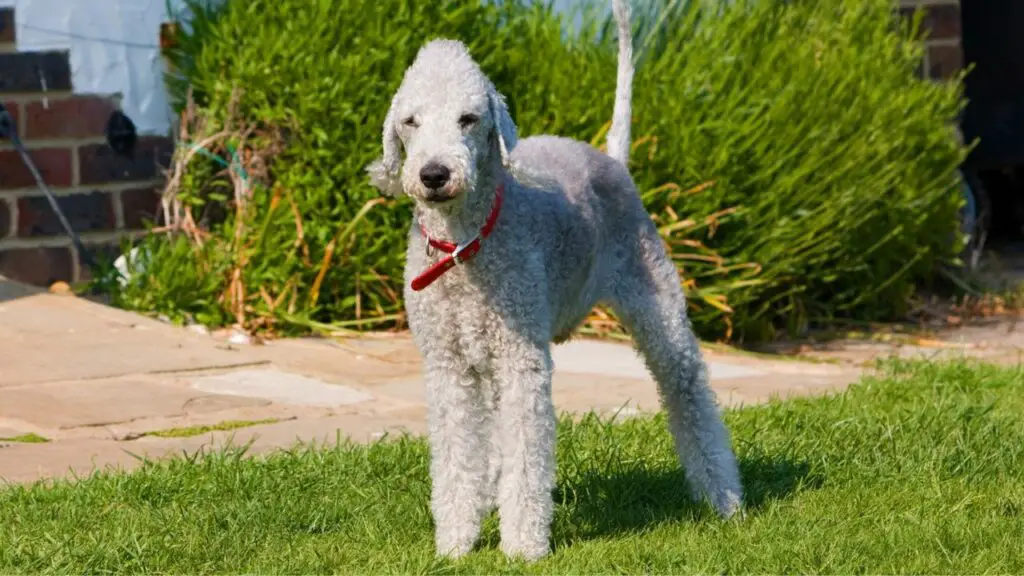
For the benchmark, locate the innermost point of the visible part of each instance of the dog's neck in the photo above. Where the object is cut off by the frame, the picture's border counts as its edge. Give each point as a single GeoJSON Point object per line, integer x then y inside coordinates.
{"type": "Point", "coordinates": [463, 222]}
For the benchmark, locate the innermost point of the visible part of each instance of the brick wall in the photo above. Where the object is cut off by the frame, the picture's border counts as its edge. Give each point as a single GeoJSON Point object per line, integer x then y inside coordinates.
{"type": "Point", "coordinates": [944, 56]}
{"type": "Point", "coordinates": [103, 195]}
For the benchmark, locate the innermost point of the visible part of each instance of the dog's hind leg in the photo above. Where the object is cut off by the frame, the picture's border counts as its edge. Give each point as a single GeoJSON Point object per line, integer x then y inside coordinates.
{"type": "Point", "coordinates": [648, 297]}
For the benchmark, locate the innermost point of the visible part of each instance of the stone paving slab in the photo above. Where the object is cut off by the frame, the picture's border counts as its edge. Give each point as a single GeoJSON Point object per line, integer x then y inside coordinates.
{"type": "Point", "coordinates": [365, 361]}
{"type": "Point", "coordinates": [617, 359]}
{"type": "Point", "coordinates": [26, 463]}
{"type": "Point", "coordinates": [96, 381]}
{"type": "Point", "coordinates": [90, 403]}
{"type": "Point", "coordinates": [9, 432]}
{"type": "Point", "coordinates": [273, 385]}
{"type": "Point", "coordinates": [46, 338]}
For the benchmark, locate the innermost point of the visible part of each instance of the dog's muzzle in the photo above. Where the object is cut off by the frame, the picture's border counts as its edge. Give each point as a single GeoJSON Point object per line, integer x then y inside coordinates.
{"type": "Point", "coordinates": [435, 177]}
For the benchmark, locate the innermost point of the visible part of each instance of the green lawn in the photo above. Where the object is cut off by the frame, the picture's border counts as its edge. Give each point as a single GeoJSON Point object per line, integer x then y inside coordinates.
{"type": "Point", "coordinates": [921, 471]}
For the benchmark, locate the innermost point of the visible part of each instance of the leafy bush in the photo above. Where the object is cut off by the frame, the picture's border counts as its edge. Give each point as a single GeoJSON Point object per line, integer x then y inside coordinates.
{"type": "Point", "coordinates": [798, 168]}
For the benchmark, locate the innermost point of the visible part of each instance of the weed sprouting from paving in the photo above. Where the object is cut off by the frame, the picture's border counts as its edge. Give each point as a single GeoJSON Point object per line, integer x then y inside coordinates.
{"type": "Point", "coordinates": [225, 426]}
{"type": "Point", "coordinates": [30, 438]}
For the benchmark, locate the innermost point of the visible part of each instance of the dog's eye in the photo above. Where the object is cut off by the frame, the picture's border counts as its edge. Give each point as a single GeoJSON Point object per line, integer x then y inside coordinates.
{"type": "Point", "coordinates": [411, 122]}
{"type": "Point", "coordinates": [467, 120]}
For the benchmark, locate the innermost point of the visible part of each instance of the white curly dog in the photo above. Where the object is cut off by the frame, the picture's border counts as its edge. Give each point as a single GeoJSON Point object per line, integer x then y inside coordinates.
{"type": "Point", "coordinates": [513, 244]}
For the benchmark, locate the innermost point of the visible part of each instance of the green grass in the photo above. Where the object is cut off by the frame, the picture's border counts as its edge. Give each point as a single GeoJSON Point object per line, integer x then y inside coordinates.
{"type": "Point", "coordinates": [30, 438]}
{"type": "Point", "coordinates": [225, 426]}
{"type": "Point", "coordinates": [919, 470]}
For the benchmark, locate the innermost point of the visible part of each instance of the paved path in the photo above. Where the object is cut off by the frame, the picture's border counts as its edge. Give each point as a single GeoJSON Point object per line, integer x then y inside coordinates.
{"type": "Point", "coordinates": [97, 382]}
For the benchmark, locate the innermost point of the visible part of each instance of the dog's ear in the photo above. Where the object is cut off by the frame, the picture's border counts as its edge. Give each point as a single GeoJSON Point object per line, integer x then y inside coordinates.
{"type": "Point", "coordinates": [384, 172]}
{"type": "Point", "coordinates": [507, 136]}
{"type": "Point", "coordinates": [504, 127]}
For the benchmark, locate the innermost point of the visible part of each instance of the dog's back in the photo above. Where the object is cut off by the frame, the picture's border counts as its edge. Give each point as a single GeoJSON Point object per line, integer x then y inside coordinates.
{"type": "Point", "coordinates": [585, 213]}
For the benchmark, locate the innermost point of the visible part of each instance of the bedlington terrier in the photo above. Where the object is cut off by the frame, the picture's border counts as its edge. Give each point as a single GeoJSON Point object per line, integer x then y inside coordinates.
{"type": "Point", "coordinates": [513, 244]}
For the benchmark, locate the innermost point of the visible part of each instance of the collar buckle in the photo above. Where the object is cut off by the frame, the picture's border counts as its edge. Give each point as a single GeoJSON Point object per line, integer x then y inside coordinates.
{"type": "Point", "coordinates": [457, 255]}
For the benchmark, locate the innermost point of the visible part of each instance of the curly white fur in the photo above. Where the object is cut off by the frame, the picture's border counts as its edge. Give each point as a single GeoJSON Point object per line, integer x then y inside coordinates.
{"type": "Point", "coordinates": [618, 135]}
{"type": "Point", "coordinates": [572, 233]}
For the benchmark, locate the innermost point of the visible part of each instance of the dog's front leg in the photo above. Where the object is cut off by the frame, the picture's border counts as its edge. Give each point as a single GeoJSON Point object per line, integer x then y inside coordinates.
{"type": "Point", "coordinates": [458, 463]}
{"type": "Point", "coordinates": [526, 429]}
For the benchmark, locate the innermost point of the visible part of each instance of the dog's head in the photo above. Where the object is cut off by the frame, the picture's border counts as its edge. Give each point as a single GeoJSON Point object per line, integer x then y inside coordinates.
{"type": "Point", "coordinates": [447, 122]}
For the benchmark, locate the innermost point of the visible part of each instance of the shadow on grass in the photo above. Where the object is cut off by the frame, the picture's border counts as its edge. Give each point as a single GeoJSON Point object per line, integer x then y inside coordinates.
{"type": "Point", "coordinates": [596, 504]}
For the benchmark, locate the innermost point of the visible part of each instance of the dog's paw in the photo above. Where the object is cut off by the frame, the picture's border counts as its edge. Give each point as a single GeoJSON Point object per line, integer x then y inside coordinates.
{"type": "Point", "coordinates": [728, 504]}
{"type": "Point", "coordinates": [453, 552]}
{"type": "Point", "coordinates": [525, 551]}
{"type": "Point", "coordinates": [454, 546]}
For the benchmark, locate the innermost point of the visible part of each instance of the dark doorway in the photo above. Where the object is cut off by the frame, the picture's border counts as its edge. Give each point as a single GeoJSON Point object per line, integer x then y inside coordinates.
{"type": "Point", "coordinates": [993, 43]}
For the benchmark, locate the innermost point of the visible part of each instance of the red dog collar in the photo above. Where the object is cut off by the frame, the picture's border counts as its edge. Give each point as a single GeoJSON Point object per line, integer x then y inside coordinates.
{"type": "Point", "coordinates": [457, 253]}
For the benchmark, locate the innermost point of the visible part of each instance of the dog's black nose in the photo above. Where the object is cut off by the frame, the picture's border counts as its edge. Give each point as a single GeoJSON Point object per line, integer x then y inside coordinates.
{"type": "Point", "coordinates": [434, 175]}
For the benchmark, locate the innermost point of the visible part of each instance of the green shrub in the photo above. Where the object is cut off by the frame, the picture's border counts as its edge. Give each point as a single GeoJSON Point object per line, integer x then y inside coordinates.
{"type": "Point", "coordinates": [825, 167]}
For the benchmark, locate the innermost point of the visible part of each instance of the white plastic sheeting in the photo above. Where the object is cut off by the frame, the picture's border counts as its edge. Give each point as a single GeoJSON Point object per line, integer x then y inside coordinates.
{"type": "Point", "coordinates": [114, 47]}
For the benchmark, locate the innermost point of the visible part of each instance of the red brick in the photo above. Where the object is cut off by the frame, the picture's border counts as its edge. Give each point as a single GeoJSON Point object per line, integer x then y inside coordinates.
{"type": "Point", "coordinates": [54, 165]}
{"type": "Point", "coordinates": [74, 117]}
{"type": "Point", "coordinates": [5, 218]}
{"type": "Point", "coordinates": [140, 207]}
{"type": "Point", "coordinates": [7, 26]}
{"type": "Point", "coordinates": [944, 62]}
{"type": "Point", "coordinates": [98, 164]}
{"type": "Point", "coordinates": [38, 266]}
{"type": "Point", "coordinates": [22, 71]}
{"type": "Point", "coordinates": [101, 254]}
{"type": "Point", "coordinates": [940, 22]}
{"type": "Point", "coordinates": [170, 35]}
{"type": "Point", "coordinates": [85, 213]}
{"type": "Point", "coordinates": [944, 21]}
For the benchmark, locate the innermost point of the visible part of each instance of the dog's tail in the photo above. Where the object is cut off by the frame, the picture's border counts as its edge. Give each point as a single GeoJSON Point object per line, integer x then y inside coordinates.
{"type": "Point", "coordinates": [618, 135]}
